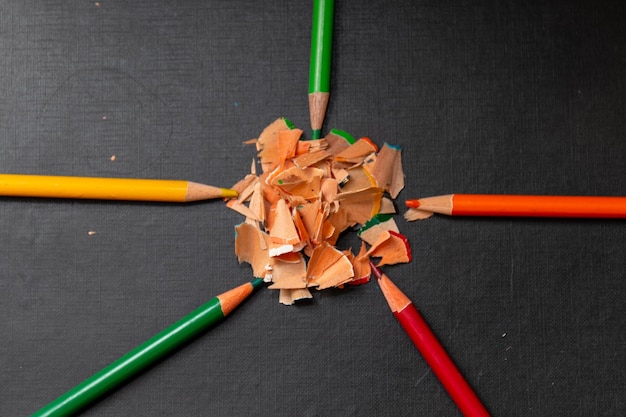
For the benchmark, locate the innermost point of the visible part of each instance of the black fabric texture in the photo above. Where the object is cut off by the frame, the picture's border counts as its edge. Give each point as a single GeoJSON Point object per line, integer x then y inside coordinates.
{"type": "Point", "coordinates": [482, 96]}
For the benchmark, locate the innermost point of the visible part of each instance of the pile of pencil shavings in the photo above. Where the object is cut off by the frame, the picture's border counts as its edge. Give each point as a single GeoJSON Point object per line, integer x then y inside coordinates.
{"type": "Point", "coordinates": [308, 193]}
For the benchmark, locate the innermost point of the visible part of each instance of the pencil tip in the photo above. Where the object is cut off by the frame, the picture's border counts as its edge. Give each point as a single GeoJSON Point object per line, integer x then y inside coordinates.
{"type": "Point", "coordinates": [316, 134]}
{"type": "Point", "coordinates": [256, 282]}
{"type": "Point", "coordinates": [228, 193]}
{"type": "Point", "coordinates": [376, 270]}
{"type": "Point", "coordinates": [412, 203]}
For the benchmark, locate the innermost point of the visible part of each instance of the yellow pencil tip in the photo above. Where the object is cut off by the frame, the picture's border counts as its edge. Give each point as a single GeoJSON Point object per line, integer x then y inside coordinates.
{"type": "Point", "coordinates": [228, 193]}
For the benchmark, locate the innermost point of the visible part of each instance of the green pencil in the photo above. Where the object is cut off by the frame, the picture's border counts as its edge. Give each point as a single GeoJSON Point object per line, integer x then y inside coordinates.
{"type": "Point", "coordinates": [147, 353]}
{"type": "Point", "coordinates": [319, 73]}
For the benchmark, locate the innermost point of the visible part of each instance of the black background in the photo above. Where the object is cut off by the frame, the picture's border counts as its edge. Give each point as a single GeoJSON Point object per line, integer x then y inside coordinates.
{"type": "Point", "coordinates": [483, 96]}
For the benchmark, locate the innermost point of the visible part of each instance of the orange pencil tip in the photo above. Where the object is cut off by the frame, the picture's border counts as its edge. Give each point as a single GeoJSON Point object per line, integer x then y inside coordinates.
{"type": "Point", "coordinates": [368, 140]}
{"type": "Point", "coordinates": [412, 203]}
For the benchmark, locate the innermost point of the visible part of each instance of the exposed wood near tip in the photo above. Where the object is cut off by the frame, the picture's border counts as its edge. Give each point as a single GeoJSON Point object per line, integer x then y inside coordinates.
{"type": "Point", "coordinates": [396, 299]}
{"type": "Point", "coordinates": [441, 204]}
{"type": "Point", "coordinates": [318, 102]}
{"type": "Point", "coordinates": [231, 299]}
{"type": "Point", "coordinates": [199, 192]}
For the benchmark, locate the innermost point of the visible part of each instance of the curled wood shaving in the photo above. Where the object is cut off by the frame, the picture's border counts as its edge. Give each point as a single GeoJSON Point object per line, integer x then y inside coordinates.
{"type": "Point", "coordinates": [391, 247]}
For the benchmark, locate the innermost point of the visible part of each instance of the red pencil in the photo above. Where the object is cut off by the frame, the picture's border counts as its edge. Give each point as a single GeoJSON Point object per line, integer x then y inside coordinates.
{"type": "Point", "coordinates": [430, 348]}
{"type": "Point", "coordinates": [517, 205]}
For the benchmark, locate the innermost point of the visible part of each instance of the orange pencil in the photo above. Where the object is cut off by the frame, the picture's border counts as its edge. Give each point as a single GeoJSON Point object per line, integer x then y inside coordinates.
{"type": "Point", "coordinates": [109, 188]}
{"type": "Point", "coordinates": [517, 206]}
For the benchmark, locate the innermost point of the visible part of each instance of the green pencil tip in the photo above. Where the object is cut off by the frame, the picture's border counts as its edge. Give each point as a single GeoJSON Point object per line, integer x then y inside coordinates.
{"type": "Point", "coordinates": [316, 134]}
{"type": "Point", "coordinates": [256, 282]}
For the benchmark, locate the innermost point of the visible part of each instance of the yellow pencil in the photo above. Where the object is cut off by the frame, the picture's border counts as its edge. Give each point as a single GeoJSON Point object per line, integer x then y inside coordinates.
{"type": "Point", "coordinates": [177, 191]}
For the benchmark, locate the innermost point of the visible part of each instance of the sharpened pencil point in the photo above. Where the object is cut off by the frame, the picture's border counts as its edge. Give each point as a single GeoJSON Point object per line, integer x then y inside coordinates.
{"type": "Point", "coordinates": [412, 203]}
{"type": "Point", "coordinates": [256, 282]}
{"type": "Point", "coordinates": [228, 193]}
{"type": "Point", "coordinates": [376, 270]}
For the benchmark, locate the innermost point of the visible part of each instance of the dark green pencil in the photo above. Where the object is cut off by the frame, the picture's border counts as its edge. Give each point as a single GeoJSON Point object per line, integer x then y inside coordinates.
{"type": "Point", "coordinates": [319, 73]}
{"type": "Point", "coordinates": [147, 353]}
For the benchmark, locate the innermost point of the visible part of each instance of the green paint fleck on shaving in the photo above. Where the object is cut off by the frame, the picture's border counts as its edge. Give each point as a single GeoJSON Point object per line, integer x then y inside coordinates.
{"type": "Point", "coordinates": [377, 219]}
{"type": "Point", "coordinates": [289, 123]}
{"type": "Point", "coordinates": [348, 137]}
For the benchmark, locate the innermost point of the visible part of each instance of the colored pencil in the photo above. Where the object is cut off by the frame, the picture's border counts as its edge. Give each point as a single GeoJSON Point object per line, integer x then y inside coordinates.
{"type": "Point", "coordinates": [522, 205]}
{"type": "Point", "coordinates": [319, 72]}
{"type": "Point", "coordinates": [109, 188]}
{"type": "Point", "coordinates": [430, 348]}
{"type": "Point", "coordinates": [148, 353]}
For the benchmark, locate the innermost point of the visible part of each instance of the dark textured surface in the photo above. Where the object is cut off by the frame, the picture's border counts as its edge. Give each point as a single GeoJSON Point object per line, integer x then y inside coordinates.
{"type": "Point", "coordinates": [484, 97]}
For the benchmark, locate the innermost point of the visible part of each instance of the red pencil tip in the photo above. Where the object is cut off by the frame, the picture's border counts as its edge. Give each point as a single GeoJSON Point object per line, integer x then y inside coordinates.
{"type": "Point", "coordinates": [412, 203]}
{"type": "Point", "coordinates": [376, 270]}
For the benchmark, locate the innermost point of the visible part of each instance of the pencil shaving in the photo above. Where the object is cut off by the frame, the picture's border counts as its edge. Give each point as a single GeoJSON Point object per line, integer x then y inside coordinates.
{"type": "Point", "coordinates": [387, 207]}
{"type": "Point", "coordinates": [387, 169]}
{"type": "Point", "coordinates": [328, 267]}
{"type": "Point", "coordinates": [356, 153]}
{"type": "Point", "coordinates": [362, 269]}
{"type": "Point", "coordinates": [307, 195]}
{"type": "Point", "coordinates": [251, 246]}
{"type": "Point", "coordinates": [289, 275]}
{"type": "Point", "coordinates": [283, 229]}
{"type": "Point", "coordinates": [391, 247]}
{"type": "Point", "coordinates": [413, 214]}
{"type": "Point", "coordinates": [336, 143]}
{"type": "Point", "coordinates": [290, 296]}
{"type": "Point", "coordinates": [374, 228]}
